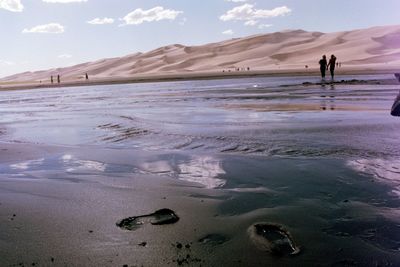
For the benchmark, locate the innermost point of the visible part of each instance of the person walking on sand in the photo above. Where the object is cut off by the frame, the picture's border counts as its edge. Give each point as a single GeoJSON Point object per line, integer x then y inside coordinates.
{"type": "Point", "coordinates": [322, 66]}
{"type": "Point", "coordinates": [331, 65]}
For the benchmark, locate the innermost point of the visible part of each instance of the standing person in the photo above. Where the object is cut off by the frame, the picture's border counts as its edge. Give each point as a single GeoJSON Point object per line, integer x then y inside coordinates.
{"type": "Point", "coordinates": [51, 78]}
{"type": "Point", "coordinates": [58, 78]}
{"type": "Point", "coordinates": [87, 76]}
{"type": "Point", "coordinates": [331, 65]}
{"type": "Point", "coordinates": [322, 66]}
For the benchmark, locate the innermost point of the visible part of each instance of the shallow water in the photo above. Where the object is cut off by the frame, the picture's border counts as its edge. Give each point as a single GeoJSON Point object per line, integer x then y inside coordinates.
{"type": "Point", "coordinates": [324, 161]}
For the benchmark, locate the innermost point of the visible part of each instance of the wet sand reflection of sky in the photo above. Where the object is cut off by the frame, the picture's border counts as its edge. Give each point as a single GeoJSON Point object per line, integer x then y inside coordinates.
{"type": "Point", "coordinates": [205, 170]}
{"type": "Point", "coordinates": [73, 164]}
{"type": "Point", "coordinates": [384, 170]}
{"type": "Point", "coordinates": [25, 165]}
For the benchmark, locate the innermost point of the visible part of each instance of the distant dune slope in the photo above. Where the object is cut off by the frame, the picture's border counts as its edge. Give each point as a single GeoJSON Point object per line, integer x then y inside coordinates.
{"type": "Point", "coordinates": [292, 49]}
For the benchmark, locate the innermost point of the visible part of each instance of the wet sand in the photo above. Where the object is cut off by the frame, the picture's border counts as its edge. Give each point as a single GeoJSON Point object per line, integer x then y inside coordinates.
{"type": "Point", "coordinates": [187, 76]}
{"type": "Point", "coordinates": [319, 161]}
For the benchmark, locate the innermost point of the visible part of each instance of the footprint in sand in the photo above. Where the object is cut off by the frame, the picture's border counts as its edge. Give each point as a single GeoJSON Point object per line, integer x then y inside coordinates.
{"type": "Point", "coordinates": [159, 217]}
{"type": "Point", "coordinates": [213, 239]}
{"type": "Point", "coordinates": [273, 238]}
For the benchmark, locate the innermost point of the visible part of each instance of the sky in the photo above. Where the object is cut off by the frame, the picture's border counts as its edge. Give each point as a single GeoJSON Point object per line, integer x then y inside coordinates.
{"type": "Point", "coordinates": [42, 34]}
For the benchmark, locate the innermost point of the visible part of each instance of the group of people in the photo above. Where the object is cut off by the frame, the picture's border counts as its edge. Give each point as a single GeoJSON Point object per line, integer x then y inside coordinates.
{"type": "Point", "coordinates": [324, 65]}
{"type": "Point", "coordinates": [59, 79]}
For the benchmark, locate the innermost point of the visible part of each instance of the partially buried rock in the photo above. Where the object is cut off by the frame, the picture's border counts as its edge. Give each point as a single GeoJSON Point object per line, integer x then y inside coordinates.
{"type": "Point", "coordinates": [273, 238]}
{"type": "Point", "coordinates": [159, 217]}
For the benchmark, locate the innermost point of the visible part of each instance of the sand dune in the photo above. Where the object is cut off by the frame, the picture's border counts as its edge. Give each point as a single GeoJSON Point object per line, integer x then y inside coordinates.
{"type": "Point", "coordinates": [377, 47]}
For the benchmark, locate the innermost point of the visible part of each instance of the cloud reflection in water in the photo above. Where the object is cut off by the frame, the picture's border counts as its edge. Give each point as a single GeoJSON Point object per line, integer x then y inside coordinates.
{"type": "Point", "coordinates": [385, 170]}
{"type": "Point", "coordinates": [204, 170]}
{"type": "Point", "coordinates": [74, 164]}
{"type": "Point", "coordinates": [27, 164]}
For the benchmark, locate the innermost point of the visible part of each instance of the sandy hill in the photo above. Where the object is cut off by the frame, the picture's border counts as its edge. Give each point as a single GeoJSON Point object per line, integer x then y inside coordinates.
{"type": "Point", "coordinates": [293, 49]}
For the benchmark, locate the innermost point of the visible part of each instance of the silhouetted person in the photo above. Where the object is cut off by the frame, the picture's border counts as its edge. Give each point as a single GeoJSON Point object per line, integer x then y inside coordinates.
{"type": "Point", "coordinates": [87, 76]}
{"type": "Point", "coordinates": [51, 79]}
{"type": "Point", "coordinates": [331, 65]}
{"type": "Point", "coordinates": [322, 66]}
{"type": "Point", "coordinates": [58, 79]}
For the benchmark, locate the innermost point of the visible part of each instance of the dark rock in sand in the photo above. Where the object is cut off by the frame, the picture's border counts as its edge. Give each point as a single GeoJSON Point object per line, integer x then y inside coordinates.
{"type": "Point", "coordinates": [159, 217]}
{"type": "Point", "coordinates": [273, 238]}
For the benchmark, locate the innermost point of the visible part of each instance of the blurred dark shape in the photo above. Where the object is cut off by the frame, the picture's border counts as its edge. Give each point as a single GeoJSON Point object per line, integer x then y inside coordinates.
{"type": "Point", "coordinates": [396, 105]}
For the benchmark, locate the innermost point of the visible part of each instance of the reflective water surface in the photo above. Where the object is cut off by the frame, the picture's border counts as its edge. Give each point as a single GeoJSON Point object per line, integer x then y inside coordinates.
{"type": "Point", "coordinates": [322, 160]}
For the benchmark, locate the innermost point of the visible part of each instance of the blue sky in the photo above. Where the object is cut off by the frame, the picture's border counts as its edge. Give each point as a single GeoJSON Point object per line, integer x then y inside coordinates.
{"type": "Point", "coordinates": [41, 34]}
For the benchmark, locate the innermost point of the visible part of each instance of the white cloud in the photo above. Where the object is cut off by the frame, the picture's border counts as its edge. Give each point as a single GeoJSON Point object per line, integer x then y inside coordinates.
{"type": "Point", "coordinates": [228, 32]}
{"type": "Point", "coordinates": [264, 26]}
{"type": "Point", "coordinates": [6, 63]}
{"type": "Point", "coordinates": [12, 5]}
{"type": "Point", "coordinates": [100, 21]}
{"type": "Point", "coordinates": [46, 28]}
{"type": "Point", "coordinates": [64, 1]}
{"type": "Point", "coordinates": [251, 22]}
{"type": "Point", "coordinates": [248, 12]}
{"type": "Point", "coordinates": [65, 56]}
{"type": "Point", "coordinates": [138, 16]}
{"type": "Point", "coordinates": [183, 21]}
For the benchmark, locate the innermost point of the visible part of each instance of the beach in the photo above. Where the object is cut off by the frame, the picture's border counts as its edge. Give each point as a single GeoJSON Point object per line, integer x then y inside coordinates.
{"type": "Point", "coordinates": [319, 160]}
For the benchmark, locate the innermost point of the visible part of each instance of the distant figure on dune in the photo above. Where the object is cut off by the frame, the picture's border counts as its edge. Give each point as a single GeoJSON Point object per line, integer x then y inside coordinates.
{"type": "Point", "coordinates": [322, 66]}
{"type": "Point", "coordinates": [87, 76]}
{"type": "Point", "coordinates": [58, 79]}
{"type": "Point", "coordinates": [51, 79]}
{"type": "Point", "coordinates": [331, 65]}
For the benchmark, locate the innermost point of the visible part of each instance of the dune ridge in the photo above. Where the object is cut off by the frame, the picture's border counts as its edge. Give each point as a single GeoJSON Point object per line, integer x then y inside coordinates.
{"type": "Point", "coordinates": [376, 47]}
